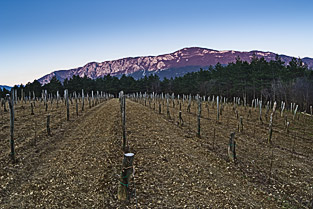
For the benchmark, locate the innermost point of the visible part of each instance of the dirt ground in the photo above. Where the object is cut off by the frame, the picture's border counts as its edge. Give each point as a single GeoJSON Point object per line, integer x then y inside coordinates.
{"type": "Point", "coordinates": [80, 164]}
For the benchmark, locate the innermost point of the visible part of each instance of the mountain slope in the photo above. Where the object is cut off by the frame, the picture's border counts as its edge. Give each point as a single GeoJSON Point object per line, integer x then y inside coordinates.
{"type": "Point", "coordinates": [174, 64]}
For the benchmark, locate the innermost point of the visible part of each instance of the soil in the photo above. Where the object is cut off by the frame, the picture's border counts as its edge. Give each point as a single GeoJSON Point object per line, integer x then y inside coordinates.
{"type": "Point", "coordinates": [79, 165]}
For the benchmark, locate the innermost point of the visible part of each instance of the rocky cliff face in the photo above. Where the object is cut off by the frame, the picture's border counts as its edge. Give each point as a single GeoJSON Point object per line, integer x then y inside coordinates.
{"type": "Point", "coordinates": [176, 63]}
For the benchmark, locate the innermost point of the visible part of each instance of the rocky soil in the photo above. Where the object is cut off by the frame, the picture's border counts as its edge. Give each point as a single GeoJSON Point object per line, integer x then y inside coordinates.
{"type": "Point", "coordinates": [80, 164]}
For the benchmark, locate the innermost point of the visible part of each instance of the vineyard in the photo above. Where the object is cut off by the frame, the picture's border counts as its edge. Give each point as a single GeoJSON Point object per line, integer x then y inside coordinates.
{"type": "Point", "coordinates": [189, 152]}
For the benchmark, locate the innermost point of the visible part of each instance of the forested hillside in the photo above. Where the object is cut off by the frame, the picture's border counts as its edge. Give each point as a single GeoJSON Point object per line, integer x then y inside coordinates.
{"type": "Point", "coordinates": [273, 80]}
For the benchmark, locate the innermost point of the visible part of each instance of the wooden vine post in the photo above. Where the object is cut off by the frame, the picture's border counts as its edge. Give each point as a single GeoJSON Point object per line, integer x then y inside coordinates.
{"type": "Point", "coordinates": [11, 106]}
{"type": "Point", "coordinates": [22, 97]}
{"type": "Point", "coordinates": [76, 104]}
{"type": "Point", "coordinates": [123, 111]}
{"type": "Point", "coordinates": [92, 99]}
{"type": "Point", "coordinates": [181, 121]}
{"type": "Point", "coordinates": [4, 106]}
{"type": "Point", "coordinates": [45, 100]}
{"type": "Point", "coordinates": [270, 140]}
{"type": "Point", "coordinates": [167, 106]}
{"type": "Point", "coordinates": [124, 191]}
{"type": "Point", "coordinates": [32, 108]}
{"type": "Point", "coordinates": [67, 105]}
{"type": "Point", "coordinates": [207, 106]}
{"type": "Point", "coordinates": [58, 97]}
{"type": "Point", "coordinates": [270, 130]}
{"type": "Point", "coordinates": [199, 115]}
{"type": "Point", "coordinates": [159, 108]}
{"type": "Point", "coordinates": [287, 127]}
{"type": "Point", "coordinates": [221, 109]}
{"type": "Point", "coordinates": [295, 112]}
{"type": "Point", "coordinates": [83, 100]}
{"type": "Point", "coordinates": [260, 112]}
{"type": "Point", "coordinates": [48, 125]}
{"type": "Point", "coordinates": [34, 97]}
{"type": "Point", "coordinates": [124, 124]}
{"type": "Point", "coordinates": [217, 111]}
{"type": "Point", "coordinates": [267, 110]}
{"type": "Point", "coordinates": [282, 109]}
{"type": "Point", "coordinates": [15, 96]}
{"type": "Point", "coordinates": [89, 100]}
{"type": "Point", "coordinates": [189, 104]}
{"type": "Point", "coordinates": [232, 148]}
{"type": "Point", "coordinates": [240, 124]}
{"type": "Point", "coordinates": [291, 107]}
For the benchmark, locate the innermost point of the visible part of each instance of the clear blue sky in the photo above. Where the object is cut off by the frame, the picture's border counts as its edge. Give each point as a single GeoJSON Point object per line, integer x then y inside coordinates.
{"type": "Point", "coordinates": [40, 36]}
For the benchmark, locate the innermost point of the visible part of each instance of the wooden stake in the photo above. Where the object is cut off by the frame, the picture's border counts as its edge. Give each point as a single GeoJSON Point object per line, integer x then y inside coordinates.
{"type": "Point", "coordinates": [217, 112]}
{"type": "Point", "coordinates": [11, 105]}
{"type": "Point", "coordinates": [58, 97]}
{"type": "Point", "coordinates": [260, 113]}
{"type": "Point", "coordinates": [159, 108]}
{"type": "Point", "coordinates": [221, 109]}
{"type": "Point", "coordinates": [181, 121]}
{"type": "Point", "coordinates": [22, 97]}
{"type": "Point", "coordinates": [127, 170]}
{"type": "Point", "coordinates": [287, 127]}
{"type": "Point", "coordinates": [167, 107]}
{"type": "Point", "coordinates": [295, 112]}
{"type": "Point", "coordinates": [32, 108]}
{"type": "Point", "coordinates": [48, 125]}
{"type": "Point", "coordinates": [92, 99]}
{"type": "Point", "coordinates": [123, 105]}
{"type": "Point", "coordinates": [189, 104]}
{"type": "Point", "coordinates": [83, 100]}
{"type": "Point", "coordinates": [4, 106]}
{"type": "Point", "coordinates": [240, 125]}
{"type": "Point", "coordinates": [208, 111]}
{"type": "Point", "coordinates": [199, 116]}
{"type": "Point", "coordinates": [76, 104]}
{"type": "Point", "coordinates": [270, 130]}
{"type": "Point", "coordinates": [294, 142]}
{"type": "Point", "coordinates": [232, 148]}
{"type": "Point", "coordinates": [67, 105]}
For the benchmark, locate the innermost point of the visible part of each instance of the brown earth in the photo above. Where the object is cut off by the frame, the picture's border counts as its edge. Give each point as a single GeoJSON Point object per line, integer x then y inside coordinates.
{"type": "Point", "coordinates": [80, 164]}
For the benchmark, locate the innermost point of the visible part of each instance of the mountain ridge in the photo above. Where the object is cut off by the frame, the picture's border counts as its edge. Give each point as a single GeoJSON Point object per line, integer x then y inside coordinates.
{"type": "Point", "coordinates": [193, 57]}
{"type": "Point", "coordinates": [5, 87]}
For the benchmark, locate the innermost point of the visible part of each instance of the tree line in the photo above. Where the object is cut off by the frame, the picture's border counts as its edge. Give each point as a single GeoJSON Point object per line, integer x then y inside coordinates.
{"type": "Point", "coordinates": [273, 80]}
{"type": "Point", "coordinates": [3, 92]}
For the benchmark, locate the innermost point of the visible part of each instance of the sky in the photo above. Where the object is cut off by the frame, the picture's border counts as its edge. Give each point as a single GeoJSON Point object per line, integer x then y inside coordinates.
{"type": "Point", "coordinates": [41, 36]}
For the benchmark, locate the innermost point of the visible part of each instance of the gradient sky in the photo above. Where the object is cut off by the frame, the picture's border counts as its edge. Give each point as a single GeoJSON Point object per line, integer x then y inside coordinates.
{"type": "Point", "coordinates": [40, 36]}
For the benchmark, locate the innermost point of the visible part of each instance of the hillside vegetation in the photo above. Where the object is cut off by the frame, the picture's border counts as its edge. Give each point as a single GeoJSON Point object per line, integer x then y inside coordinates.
{"type": "Point", "coordinates": [272, 81]}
